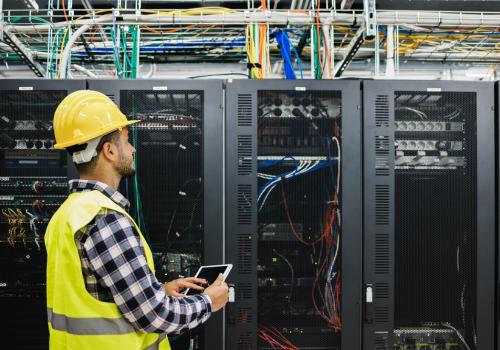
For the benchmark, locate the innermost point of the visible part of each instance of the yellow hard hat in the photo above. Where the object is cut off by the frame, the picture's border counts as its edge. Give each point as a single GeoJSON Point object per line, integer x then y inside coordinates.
{"type": "Point", "coordinates": [84, 115]}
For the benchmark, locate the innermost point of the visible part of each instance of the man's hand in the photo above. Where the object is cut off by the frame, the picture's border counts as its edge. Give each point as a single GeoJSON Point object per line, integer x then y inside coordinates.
{"type": "Point", "coordinates": [218, 293]}
{"type": "Point", "coordinates": [174, 287]}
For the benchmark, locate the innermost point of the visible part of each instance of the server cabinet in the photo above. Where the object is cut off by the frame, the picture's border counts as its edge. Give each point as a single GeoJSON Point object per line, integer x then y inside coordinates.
{"type": "Point", "coordinates": [429, 215]}
{"type": "Point", "coordinates": [293, 214]}
{"type": "Point", "coordinates": [33, 183]}
{"type": "Point", "coordinates": [176, 193]}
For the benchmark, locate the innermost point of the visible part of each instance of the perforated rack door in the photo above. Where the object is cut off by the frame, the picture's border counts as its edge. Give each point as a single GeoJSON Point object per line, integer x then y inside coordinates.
{"type": "Point", "coordinates": [30, 104]}
{"type": "Point", "coordinates": [390, 193]}
{"type": "Point", "coordinates": [242, 239]}
{"type": "Point", "coordinates": [180, 170]}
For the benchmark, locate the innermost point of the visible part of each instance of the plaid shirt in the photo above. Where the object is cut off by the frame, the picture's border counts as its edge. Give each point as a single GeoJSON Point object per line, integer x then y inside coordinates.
{"type": "Point", "coordinates": [115, 269]}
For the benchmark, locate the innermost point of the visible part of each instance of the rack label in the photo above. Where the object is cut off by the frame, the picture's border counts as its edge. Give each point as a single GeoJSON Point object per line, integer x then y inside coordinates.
{"type": "Point", "coordinates": [26, 88]}
{"type": "Point", "coordinates": [300, 88]}
{"type": "Point", "coordinates": [160, 88]}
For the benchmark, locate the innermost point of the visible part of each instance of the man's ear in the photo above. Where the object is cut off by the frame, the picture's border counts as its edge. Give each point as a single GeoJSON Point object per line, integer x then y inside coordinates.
{"type": "Point", "coordinates": [109, 151]}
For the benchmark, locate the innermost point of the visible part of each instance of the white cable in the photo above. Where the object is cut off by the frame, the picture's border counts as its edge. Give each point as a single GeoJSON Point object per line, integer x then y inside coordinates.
{"type": "Point", "coordinates": [85, 71]}
{"type": "Point", "coordinates": [273, 184]}
{"type": "Point", "coordinates": [292, 272]}
{"type": "Point", "coordinates": [276, 180]}
{"type": "Point", "coordinates": [294, 172]}
{"type": "Point", "coordinates": [447, 325]}
{"type": "Point", "coordinates": [67, 49]}
{"type": "Point", "coordinates": [421, 114]}
{"type": "Point", "coordinates": [334, 259]}
{"type": "Point", "coordinates": [304, 166]}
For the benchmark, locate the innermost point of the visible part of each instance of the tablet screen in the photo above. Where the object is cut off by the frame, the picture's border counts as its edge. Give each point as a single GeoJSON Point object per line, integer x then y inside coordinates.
{"type": "Point", "coordinates": [210, 273]}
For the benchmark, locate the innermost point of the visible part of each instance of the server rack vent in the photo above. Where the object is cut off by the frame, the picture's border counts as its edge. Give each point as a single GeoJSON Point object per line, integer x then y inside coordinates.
{"type": "Point", "coordinates": [382, 253]}
{"type": "Point", "coordinates": [244, 253]}
{"type": "Point", "coordinates": [245, 161]}
{"type": "Point", "coordinates": [382, 201]}
{"type": "Point", "coordinates": [244, 110]}
{"type": "Point", "coordinates": [381, 342]}
{"type": "Point", "coordinates": [244, 291]}
{"type": "Point", "coordinates": [382, 111]}
{"type": "Point", "coordinates": [245, 204]}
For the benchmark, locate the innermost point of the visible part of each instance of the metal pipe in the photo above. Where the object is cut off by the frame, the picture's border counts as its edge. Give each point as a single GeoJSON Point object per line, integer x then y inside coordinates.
{"type": "Point", "coordinates": [389, 63]}
{"type": "Point", "coordinates": [425, 18]}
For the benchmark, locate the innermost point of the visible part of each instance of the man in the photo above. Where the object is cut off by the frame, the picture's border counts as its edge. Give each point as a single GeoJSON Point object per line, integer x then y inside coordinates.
{"type": "Point", "coordinates": [101, 289]}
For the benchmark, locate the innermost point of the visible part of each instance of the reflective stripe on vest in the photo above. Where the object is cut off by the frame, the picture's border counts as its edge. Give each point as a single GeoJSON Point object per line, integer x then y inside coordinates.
{"type": "Point", "coordinates": [156, 344]}
{"type": "Point", "coordinates": [89, 325]}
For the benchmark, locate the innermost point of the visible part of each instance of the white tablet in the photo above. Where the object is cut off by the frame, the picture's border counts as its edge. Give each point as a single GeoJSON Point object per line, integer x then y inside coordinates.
{"type": "Point", "coordinates": [210, 273]}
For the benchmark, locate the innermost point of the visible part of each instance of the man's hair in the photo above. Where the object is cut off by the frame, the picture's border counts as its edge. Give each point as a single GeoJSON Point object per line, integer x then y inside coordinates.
{"type": "Point", "coordinates": [84, 168]}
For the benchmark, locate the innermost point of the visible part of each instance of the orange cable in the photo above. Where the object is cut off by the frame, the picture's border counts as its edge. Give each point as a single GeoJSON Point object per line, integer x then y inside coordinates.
{"type": "Point", "coordinates": [64, 10]}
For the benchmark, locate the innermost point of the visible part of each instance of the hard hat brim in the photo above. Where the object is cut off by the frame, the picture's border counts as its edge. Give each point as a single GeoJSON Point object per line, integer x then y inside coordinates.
{"type": "Point", "coordinates": [94, 135]}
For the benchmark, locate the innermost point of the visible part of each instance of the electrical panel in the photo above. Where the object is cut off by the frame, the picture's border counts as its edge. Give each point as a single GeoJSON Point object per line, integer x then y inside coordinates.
{"type": "Point", "coordinates": [33, 184]}
{"type": "Point", "coordinates": [288, 201]}
{"type": "Point", "coordinates": [176, 192]}
{"type": "Point", "coordinates": [428, 215]}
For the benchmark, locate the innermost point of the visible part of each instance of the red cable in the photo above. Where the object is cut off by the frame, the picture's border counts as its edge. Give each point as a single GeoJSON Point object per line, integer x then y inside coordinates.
{"type": "Point", "coordinates": [290, 222]}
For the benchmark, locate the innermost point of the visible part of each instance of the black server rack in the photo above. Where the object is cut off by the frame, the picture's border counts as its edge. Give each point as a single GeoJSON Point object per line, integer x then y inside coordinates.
{"type": "Point", "coordinates": [429, 215]}
{"type": "Point", "coordinates": [176, 193]}
{"type": "Point", "coordinates": [293, 214]}
{"type": "Point", "coordinates": [33, 183]}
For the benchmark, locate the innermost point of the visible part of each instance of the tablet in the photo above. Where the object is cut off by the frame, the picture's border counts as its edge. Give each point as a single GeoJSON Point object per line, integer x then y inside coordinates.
{"type": "Point", "coordinates": [210, 273]}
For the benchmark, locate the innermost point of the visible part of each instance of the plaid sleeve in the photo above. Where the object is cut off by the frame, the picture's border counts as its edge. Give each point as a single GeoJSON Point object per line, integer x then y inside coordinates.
{"type": "Point", "coordinates": [117, 257]}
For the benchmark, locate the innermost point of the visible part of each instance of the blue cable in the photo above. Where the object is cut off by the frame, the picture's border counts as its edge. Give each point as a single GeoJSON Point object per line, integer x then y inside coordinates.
{"type": "Point", "coordinates": [297, 57]}
{"type": "Point", "coordinates": [317, 167]}
{"type": "Point", "coordinates": [284, 44]}
{"type": "Point", "coordinates": [280, 175]}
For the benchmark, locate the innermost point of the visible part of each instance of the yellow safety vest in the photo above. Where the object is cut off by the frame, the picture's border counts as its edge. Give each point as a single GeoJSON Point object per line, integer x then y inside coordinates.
{"type": "Point", "coordinates": [78, 321]}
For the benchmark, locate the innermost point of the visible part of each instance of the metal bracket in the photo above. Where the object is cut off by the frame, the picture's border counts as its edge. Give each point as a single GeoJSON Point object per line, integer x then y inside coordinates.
{"type": "Point", "coordinates": [18, 47]}
{"type": "Point", "coordinates": [353, 47]}
{"type": "Point", "coordinates": [370, 16]}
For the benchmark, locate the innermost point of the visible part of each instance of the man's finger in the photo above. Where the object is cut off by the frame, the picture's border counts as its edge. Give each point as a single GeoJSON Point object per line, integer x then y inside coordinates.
{"type": "Point", "coordinates": [196, 280]}
{"type": "Point", "coordinates": [219, 280]}
{"type": "Point", "coordinates": [185, 284]}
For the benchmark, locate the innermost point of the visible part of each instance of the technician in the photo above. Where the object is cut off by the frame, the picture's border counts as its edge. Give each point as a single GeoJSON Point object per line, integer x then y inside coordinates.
{"type": "Point", "coordinates": [102, 293]}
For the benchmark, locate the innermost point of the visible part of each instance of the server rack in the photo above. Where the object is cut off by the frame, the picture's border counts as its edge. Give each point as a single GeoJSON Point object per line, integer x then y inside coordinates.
{"type": "Point", "coordinates": [178, 183]}
{"type": "Point", "coordinates": [33, 183]}
{"type": "Point", "coordinates": [302, 116]}
{"type": "Point", "coordinates": [429, 215]}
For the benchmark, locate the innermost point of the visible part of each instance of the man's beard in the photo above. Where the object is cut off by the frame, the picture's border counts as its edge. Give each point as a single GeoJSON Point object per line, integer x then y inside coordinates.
{"type": "Point", "coordinates": [125, 166]}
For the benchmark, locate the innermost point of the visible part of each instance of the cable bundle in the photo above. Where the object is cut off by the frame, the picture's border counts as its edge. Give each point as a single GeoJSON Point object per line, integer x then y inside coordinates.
{"type": "Point", "coordinates": [16, 220]}
{"type": "Point", "coordinates": [275, 338]}
{"type": "Point", "coordinates": [257, 48]}
{"type": "Point", "coordinates": [285, 45]}
{"type": "Point", "coordinates": [325, 292]}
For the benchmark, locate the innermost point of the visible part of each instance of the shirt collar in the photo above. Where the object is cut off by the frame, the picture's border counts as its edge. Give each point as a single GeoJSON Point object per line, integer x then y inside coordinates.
{"type": "Point", "coordinates": [89, 185]}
